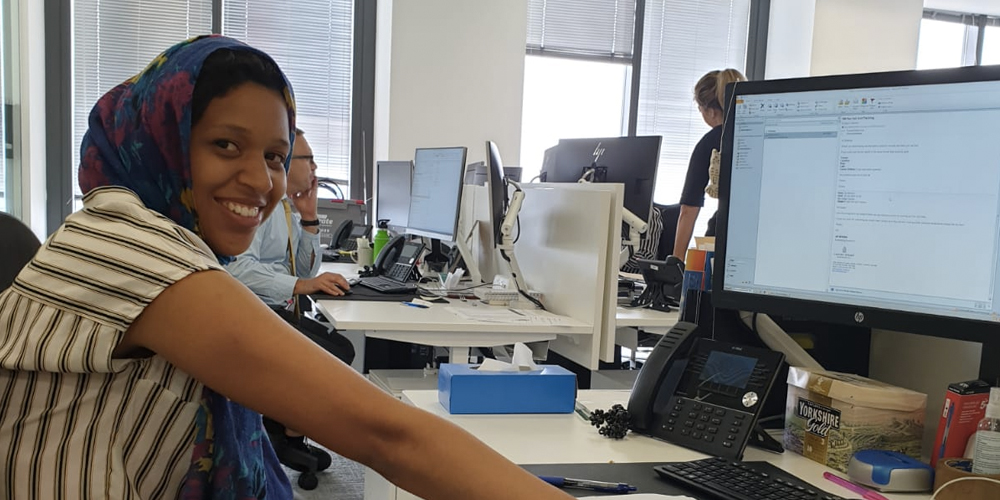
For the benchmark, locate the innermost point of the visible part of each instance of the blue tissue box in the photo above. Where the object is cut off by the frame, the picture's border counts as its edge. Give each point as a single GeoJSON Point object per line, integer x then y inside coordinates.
{"type": "Point", "coordinates": [464, 389]}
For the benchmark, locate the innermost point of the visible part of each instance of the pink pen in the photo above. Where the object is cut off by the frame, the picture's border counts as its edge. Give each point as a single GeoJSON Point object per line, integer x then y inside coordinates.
{"type": "Point", "coordinates": [864, 492]}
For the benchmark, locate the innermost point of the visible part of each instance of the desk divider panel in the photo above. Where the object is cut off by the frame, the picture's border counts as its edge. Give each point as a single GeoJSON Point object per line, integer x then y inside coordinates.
{"type": "Point", "coordinates": [563, 250]}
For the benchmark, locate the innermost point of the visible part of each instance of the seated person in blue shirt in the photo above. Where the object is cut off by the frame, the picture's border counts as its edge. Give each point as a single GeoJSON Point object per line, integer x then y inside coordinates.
{"type": "Point", "coordinates": [267, 269]}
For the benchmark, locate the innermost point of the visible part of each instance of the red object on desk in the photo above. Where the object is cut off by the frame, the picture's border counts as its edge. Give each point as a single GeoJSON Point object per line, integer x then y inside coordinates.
{"type": "Point", "coordinates": [864, 492]}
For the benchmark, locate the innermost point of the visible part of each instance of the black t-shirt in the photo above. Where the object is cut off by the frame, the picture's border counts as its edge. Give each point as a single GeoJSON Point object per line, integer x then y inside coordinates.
{"type": "Point", "coordinates": [696, 181]}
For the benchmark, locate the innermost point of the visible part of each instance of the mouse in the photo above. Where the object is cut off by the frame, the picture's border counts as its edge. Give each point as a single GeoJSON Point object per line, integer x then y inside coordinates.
{"type": "Point", "coordinates": [353, 281]}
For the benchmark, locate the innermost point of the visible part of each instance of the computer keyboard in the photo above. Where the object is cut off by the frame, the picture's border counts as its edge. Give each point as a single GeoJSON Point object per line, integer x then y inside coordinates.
{"type": "Point", "coordinates": [729, 480]}
{"type": "Point", "coordinates": [349, 245]}
{"type": "Point", "coordinates": [386, 285]}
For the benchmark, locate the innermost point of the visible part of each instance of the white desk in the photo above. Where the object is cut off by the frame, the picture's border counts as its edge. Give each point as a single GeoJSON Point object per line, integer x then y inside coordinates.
{"type": "Point", "coordinates": [567, 438]}
{"type": "Point", "coordinates": [436, 325]}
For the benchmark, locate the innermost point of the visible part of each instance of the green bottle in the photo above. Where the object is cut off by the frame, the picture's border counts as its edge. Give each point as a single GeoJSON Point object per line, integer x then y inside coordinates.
{"type": "Point", "coordinates": [381, 237]}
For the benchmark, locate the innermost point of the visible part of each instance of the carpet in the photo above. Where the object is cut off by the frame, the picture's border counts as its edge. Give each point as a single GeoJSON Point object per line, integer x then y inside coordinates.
{"type": "Point", "coordinates": [344, 480]}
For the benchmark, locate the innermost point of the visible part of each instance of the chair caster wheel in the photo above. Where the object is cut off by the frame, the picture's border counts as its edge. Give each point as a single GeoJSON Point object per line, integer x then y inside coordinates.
{"type": "Point", "coordinates": [308, 481]}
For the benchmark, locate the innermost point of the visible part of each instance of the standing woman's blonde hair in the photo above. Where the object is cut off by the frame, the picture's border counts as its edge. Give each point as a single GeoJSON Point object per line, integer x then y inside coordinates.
{"type": "Point", "coordinates": [710, 91]}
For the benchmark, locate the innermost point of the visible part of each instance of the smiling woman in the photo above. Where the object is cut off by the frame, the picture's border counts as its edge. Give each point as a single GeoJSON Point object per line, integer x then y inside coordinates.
{"type": "Point", "coordinates": [133, 366]}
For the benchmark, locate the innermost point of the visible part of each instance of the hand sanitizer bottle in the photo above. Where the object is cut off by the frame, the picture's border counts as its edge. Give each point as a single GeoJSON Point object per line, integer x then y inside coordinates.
{"type": "Point", "coordinates": [987, 455]}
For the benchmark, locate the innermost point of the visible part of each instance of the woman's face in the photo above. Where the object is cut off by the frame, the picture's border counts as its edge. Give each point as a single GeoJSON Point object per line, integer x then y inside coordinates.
{"type": "Point", "coordinates": [238, 152]}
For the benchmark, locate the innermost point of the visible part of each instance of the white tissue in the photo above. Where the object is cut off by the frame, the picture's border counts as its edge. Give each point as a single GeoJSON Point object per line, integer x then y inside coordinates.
{"type": "Point", "coordinates": [521, 361]}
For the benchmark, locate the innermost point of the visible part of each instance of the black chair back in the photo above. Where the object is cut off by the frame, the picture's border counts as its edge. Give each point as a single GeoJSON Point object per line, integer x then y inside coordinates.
{"type": "Point", "coordinates": [17, 246]}
{"type": "Point", "coordinates": [669, 215]}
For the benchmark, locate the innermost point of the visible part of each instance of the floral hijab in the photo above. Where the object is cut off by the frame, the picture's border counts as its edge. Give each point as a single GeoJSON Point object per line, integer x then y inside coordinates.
{"type": "Point", "coordinates": [139, 138]}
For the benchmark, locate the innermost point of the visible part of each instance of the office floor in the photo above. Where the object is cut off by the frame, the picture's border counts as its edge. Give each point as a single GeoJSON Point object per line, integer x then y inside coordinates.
{"type": "Point", "coordinates": [344, 480]}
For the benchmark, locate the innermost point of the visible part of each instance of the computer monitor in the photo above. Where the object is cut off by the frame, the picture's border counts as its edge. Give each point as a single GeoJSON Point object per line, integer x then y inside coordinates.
{"type": "Point", "coordinates": [497, 189]}
{"type": "Point", "coordinates": [436, 192]}
{"type": "Point", "coordinates": [870, 200]}
{"type": "Point", "coordinates": [392, 193]}
{"type": "Point", "coordinates": [631, 161]}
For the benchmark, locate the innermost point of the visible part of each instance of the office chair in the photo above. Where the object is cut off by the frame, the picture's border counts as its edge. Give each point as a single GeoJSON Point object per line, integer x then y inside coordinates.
{"type": "Point", "coordinates": [669, 215]}
{"type": "Point", "coordinates": [17, 246]}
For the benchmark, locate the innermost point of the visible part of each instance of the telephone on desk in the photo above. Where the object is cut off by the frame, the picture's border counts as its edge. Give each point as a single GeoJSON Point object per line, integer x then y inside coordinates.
{"type": "Point", "coordinates": [393, 269]}
{"type": "Point", "coordinates": [703, 394]}
{"type": "Point", "coordinates": [345, 238]}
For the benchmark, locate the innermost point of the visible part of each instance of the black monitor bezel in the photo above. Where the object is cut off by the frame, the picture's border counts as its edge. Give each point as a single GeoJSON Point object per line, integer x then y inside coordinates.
{"type": "Point", "coordinates": [792, 308]}
{"type": "Point", "coordinates": [497, 189]}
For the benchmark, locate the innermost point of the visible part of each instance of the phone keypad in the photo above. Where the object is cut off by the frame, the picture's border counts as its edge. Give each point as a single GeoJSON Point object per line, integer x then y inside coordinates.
{"type": "Point", "coordinates": [716, 428]}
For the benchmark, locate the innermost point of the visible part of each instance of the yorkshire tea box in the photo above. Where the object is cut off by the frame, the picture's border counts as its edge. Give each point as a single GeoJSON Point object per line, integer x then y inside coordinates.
{"type": "Point", "coordinates": [830, 415]}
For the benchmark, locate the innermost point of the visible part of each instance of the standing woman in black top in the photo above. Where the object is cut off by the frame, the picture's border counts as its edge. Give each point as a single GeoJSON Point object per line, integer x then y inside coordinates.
{"type": "Point", "coordinates": [709, 93]}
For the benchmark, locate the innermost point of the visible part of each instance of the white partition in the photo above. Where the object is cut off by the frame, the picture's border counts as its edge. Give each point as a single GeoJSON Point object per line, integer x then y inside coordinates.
{"type": "Point", "coordinates": [564, 250]}
{"type": "Point", "coordinates": [474, 224]}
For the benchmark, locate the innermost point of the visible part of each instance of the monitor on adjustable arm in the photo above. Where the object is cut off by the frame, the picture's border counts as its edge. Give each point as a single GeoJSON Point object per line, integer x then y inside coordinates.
{"type": "Point", "coordinates": [870, 200]}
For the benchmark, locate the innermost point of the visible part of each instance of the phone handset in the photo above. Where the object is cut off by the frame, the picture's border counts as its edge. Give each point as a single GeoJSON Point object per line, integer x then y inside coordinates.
{"type": "Point", "coordinates": [660, 374]}
{"type": "Point", "coordinates": [389, 255]}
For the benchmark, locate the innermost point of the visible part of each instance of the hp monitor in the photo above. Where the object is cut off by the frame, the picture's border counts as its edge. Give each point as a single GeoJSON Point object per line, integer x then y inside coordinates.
{"type": "Point", "coordinates": [869, 200]}
{"type": "Point", "coordinates": [631, 161]}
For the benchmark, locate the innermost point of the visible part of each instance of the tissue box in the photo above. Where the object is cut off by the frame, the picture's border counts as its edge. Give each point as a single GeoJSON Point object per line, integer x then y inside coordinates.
{"type": "Point", "coordinates": [830, 415]}
{"type": "Point", "coordinates": [464, 389]}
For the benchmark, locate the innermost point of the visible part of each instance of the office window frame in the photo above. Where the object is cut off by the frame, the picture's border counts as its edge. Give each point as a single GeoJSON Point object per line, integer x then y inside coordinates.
{"type": "Point", "coordinates": [59, 111]}
{"type": "Point", "coordinates": [754, 66]}
{"type": "Point", "coordinates": [979, 22]}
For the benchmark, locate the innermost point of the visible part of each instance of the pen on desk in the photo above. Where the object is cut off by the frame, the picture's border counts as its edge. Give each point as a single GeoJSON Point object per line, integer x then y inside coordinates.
{"type": "Point", "coordinates": [515, 311]}
{"type": "Point", "coordinates": [411, 304]}
{"type": "Point", "coordinates": [587, 484]}
{"type": "Point", "coordinates": [864, 492]}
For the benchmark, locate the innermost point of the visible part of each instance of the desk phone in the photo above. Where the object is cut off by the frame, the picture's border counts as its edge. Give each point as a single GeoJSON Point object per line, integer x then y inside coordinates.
{"type": "Point", "coordinates": [702, 394]}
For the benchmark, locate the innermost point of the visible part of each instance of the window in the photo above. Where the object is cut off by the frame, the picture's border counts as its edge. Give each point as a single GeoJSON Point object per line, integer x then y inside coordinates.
{"type": "Point", "coordinates": [576, 74]}
{"type": "Point", "coordinates": [312, 42]}
{"type": "Point", "coordinates": [115, 39]}
{"type": "Point", "coordinates": [579, 70]}
{"type": "Point", "coordinates": [567, 99]}
{"type": "Point", "coordinates": [681, 42]}
{"type": "Point", "coordinates": [10, 185]}
{"type": "Point", "coordinates": [945, 44]}
{"type": "Point", "coordinates": [950, 40]}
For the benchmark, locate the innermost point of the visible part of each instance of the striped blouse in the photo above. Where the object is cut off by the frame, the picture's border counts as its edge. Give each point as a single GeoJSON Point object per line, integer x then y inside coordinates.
{"type": "Point", "coordinates": [75, 423]}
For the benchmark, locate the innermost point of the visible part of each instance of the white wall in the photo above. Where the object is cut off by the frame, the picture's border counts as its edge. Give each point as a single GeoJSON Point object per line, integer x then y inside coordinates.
{"type": "Point", "coordinates": [457, 70]}
{"type": "Point", "coordinates": [923, 364]}
{"type": "Point", "coordinates": [860, 36]}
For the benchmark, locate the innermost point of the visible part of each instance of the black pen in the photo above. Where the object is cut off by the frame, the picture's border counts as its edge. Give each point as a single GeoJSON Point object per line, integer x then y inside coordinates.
{"type": "Point", "coordinates": [587, 484]}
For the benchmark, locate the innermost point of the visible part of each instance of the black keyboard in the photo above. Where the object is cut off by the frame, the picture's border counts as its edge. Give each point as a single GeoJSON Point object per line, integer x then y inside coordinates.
{"type": "Point", "coordinates": [331, 255]}
{"type": "Point", "coordinates": [349, 245]}
{"type": "Point", "coordinates": [729, 480]}
{"type": "Point", "coordinates": [386, 285]}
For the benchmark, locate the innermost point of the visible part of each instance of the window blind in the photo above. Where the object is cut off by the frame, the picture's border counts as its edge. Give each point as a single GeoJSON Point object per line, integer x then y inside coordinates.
{"type": "Point", "coordinates": [312, 42]}
{"type": "Point", "coordinates": [115, 39]}
{"type": "Point", "coordinates": [683, 40]}
{"type": "Point", "coordinates": [589, 28]}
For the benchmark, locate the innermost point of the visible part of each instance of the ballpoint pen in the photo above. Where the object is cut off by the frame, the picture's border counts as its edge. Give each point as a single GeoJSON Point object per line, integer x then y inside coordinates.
{"type": "Point", "coordinates": [864, 492]}
{"type": "Point", "coordinates": [411, 304]}
{"type": "Point", "coordinates": [587, 484]}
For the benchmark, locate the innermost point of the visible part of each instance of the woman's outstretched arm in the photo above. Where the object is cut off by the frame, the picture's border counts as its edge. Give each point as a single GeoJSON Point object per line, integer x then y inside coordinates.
{"type": "Point", "coordinates": [213, 328]}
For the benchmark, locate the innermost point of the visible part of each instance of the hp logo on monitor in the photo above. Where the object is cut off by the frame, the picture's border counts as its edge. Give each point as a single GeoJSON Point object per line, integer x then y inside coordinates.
{"type": "Point", "coordinates": [859, 317]}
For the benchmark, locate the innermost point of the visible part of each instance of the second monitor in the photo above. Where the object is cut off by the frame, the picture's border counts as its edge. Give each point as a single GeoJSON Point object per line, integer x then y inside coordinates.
{"type": "Point", "coordinates": [631, 161]}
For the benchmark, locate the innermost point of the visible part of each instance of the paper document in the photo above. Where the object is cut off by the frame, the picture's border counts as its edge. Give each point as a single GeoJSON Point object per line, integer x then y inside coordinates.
{"type": "Point", "coordinates": [495, 314]}
{"type": "Point", "coordinates": [641, 496]}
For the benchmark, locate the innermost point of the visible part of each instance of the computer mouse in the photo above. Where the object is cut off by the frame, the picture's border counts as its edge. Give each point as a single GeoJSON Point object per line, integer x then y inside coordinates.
{"type": "Point", "coordinates": [354, 281]}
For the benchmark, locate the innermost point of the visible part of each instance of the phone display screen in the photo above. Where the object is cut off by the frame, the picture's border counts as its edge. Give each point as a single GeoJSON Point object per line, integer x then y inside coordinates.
{"type": "Point", "coordinates": [725, 369]}
{"type": "Point", "coordinates": [409, 253]}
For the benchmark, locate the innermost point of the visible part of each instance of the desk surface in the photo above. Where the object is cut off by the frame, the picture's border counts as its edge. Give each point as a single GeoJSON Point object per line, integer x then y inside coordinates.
{"type": "Point", "coordinates": [642, 317]}
{"type": "Point", "coordinates": [567, 438]}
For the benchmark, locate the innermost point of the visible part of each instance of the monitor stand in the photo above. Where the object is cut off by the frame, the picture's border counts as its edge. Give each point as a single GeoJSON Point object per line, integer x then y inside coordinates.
{"type": "Point", "coordinates": [436, 259]}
